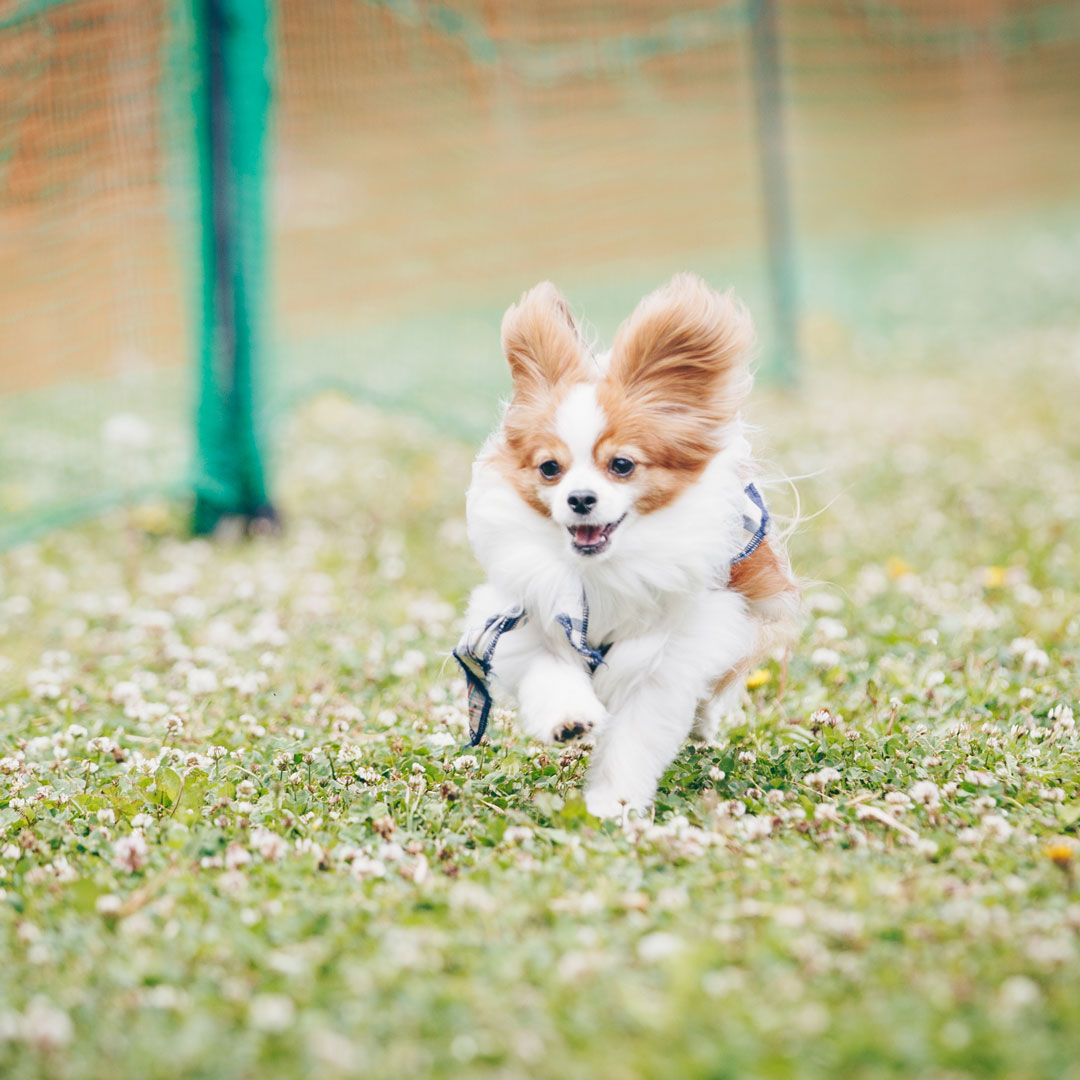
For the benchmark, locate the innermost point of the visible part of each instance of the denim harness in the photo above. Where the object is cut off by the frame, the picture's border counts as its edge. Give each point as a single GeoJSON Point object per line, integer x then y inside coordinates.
{"type": "Point", "coordinates": [476, 651]}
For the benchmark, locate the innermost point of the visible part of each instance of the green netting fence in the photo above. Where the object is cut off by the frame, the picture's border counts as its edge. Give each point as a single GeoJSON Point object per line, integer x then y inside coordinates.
{"type": "Point", "coordinates": [874, 172]}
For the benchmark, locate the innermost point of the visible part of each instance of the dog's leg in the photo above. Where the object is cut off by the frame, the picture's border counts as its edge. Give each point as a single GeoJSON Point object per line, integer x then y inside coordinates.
{"type": "Point", "coordinates": [640, 742]}
{"type": "Point", "coordinates": [556, 700]}
{"type": "Point", "coordinates": [555, 696]}
{"type": "Point", "coordinates": [652, 686]}
{"type": "Point", "coordinates": [724, 701]}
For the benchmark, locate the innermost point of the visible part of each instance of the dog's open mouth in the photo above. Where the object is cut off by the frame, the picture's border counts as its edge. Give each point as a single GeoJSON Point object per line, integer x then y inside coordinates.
{"type": "Point", "coordinates": [592, 539]}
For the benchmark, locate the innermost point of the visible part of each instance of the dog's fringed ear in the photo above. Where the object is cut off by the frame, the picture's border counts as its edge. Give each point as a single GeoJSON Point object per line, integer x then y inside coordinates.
{"type": "Point", "coordinates": [541, 341]}
{"type": "Point", "coordinates": [685, 347]}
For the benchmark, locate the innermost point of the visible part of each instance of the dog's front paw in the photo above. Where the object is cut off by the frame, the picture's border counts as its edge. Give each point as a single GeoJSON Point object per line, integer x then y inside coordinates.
{"type": "Point", "coordinates": [570, 721]}
{"type": "Point", "coordinates": [562, 717]}
{"type": "Point", "coordinates": [608, 801]}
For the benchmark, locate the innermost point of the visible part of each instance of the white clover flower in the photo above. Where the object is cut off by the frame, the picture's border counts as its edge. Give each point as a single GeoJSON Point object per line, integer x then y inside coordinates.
{"type": "Point", "coordinates": [391, 852]}
{"type": "Point", "coordinates": [266, 630]}
{"type": "Point", "coordinates": [248, 684]}
{"type": "Point", "coordinates": [659, 945]}
{"type": "Point", "coordinates": [201, 681]}
{"type": "Point", "coordinates": [271, 1012]}
{"type": "Point", "coordinates": [1061, 716]}
{"type": "Point", "coordinates": [236, 856]}
{"type": "Point", "coordinates": [1036, 660]}
{"type": "Point", "coordinates": [411, 663]}
{"type": "Point", "coordinates": [465, 763]}
{"type": "Point", "coordinates": [44, 685]}
{"type": "Point", "coordinates": [45, 1026]}
{"type": "Point", "coordinates": [831, 629]}
{"type": "Point", "coordinates": [108, 904]}
{"type": "Point", "coordinates": [126, 691]}
{"type": "Point", "coordinates": [822, 778]}
{"type": "Point", "coordinates": [306, 846]}
{"type": "Point", "coordinates": [106, 816]}
{"type": "Point", "coordinates": [268, 844]}
{"type": "Point", "coordinates": [145, 766]}
{"type": "Point", "coordinates": [126, 431]}
{"type": "Point", "coordinates": [754, 826]}
{"type": "Point", "coordinates": [364, 867]}
{"type": "Point", "coordinates": [925, 792]}
{"type": "Point", "coordinates": [996, 826]}
{"type": "Point", "coordinates": [824, 657]}
{"type": "Point", "coordinates": [1047, 951]}
{"type": "Point", "coordinates": [130, 852]}
{"type": "Point", "coordinates": [418, 872]}
{"type": "Point", "coordinates": [1018, 992]}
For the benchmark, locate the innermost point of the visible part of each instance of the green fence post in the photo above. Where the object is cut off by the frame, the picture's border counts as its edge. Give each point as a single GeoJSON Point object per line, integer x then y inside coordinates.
{"type": "Point", "coordinates": [232, 110]}
{"type": "Point", "coordinates": [765, 46]}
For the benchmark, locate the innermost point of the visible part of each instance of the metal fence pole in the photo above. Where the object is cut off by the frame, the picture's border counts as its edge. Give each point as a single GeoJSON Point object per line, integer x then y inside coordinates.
{"type": "Point", "coordinates": [232, 108]}
{"type": "Point", "coordinates": [764, 39]}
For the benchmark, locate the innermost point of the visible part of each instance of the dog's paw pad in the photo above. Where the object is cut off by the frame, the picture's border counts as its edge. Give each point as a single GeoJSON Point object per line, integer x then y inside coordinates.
{"type": "Point", "coordinates": [572, 729]}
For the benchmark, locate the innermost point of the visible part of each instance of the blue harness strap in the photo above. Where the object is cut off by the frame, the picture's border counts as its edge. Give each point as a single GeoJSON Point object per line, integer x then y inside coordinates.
{"type": "Point", "coordinates": [475, 660]}
{"type": "Point", "coordinates": [475, 654]}
{"type": "Point", "coordinates": [577, 633]}
{"type": "Point", "coordinates": [748, 524]}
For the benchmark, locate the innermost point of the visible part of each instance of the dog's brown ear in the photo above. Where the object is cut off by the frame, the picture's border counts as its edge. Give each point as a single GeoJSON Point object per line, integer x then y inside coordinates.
{"type": "Point", "coordinates": [541, 341]}
{"type": "Point", "coordinates": [685, 347]}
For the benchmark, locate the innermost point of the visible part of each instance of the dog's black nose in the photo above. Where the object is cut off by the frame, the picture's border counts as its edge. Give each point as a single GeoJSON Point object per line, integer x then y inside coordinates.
{"type": "Point", "coordinates": [581, 502]}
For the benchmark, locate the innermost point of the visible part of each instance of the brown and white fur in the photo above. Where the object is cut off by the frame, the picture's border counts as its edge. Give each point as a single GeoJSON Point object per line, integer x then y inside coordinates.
{"type": "Point", "coordinates": [623, 474]}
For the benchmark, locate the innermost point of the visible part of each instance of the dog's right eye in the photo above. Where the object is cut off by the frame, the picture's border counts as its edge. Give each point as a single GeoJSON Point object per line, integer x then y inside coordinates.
{"type": "Point", "coordinates": [550, 469]}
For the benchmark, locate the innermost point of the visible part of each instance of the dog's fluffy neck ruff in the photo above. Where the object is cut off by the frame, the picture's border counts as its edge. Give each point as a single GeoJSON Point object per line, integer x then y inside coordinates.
{"type": "Point", "coordinates": [653, 569]}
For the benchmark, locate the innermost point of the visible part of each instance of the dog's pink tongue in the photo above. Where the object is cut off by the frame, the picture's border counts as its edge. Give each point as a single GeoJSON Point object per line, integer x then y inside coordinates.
{"type": "Point", "coordinates": [588, 534]}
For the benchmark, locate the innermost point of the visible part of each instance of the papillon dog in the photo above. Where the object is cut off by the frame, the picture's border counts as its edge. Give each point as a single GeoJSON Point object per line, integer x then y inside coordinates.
{"type": "Point", "coordinates": [632, 578]}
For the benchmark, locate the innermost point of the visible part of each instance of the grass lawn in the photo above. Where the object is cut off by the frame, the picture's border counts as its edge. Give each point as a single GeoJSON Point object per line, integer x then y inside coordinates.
{"type": "Point", "coordinates": [241, 835]}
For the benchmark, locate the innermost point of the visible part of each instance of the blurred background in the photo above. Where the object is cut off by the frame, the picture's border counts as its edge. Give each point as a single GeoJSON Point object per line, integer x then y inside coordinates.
{"type": "Point", "coordinates": [211, 210]}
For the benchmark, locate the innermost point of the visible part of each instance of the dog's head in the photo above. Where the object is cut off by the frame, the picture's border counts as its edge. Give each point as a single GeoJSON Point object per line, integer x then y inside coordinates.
{"type": "Point", "coordinates": [592, 444]}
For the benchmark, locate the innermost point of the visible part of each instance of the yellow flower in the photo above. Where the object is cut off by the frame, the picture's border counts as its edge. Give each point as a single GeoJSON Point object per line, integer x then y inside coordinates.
{"type": "Point", "coordinates": [758, 678]}
{"type": "Point", "coordinates": [895, 567]}
{"type": "Point", "coordinates": [993, 577]}
{"type": "Point", "coordinates": [152, 517]}
{"type": "Point", "coordinates": [1060, 852]}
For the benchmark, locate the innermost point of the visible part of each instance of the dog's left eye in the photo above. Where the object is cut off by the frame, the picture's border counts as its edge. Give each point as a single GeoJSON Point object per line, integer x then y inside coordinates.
{"type": "Point", "coordinates": [550, 469]}
{"type": "Point", "coordinates": [621, 466]}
